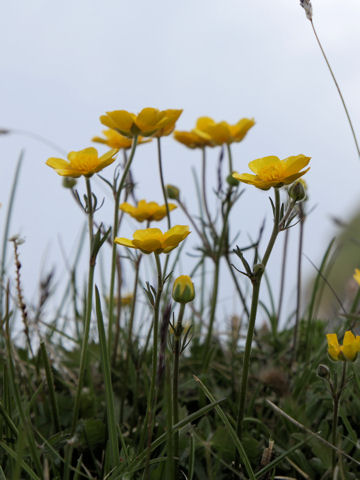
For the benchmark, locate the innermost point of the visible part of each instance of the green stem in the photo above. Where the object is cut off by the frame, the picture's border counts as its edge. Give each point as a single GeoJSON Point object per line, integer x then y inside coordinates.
{"type": "Point", "coordinates": [256, 282]}
{"type": "Point", "coordinates": [177, 345]}
{"type": "Point", "coordinates": [336, 404]}
{"type": "Point", "coordinates": [90, 287]}
{"type": "Point", "coordinates": [7, 227]}
{"type": "Point", "coordinates": [129, 339]}
{"type": "Point", "coordinates": [163, 183]}
{"type": "Point", "coordinates": [298, 286]}
{"type": "Point", "coordinates": [338, 89]}
{"type": "Point", "coordinates": [215, 288]}
{"type": "Point", "coordinates": [151, 407]}
{"type": "Point", "coordinates": [230, 158]}
{"type": "Point", "coordinates": [204, 195]}
{"type": "Point", "coordinates": [114, 234]}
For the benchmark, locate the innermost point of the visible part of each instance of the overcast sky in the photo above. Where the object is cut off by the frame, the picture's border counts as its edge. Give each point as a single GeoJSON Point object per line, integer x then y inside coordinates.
{"type": "Point", "coordinates": [63, 64]}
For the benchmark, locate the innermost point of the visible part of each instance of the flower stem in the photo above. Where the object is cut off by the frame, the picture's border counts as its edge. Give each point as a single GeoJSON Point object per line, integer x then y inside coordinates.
{"type": "Point", "coordinates": [214, 296]}
{"type": "Point", "coordinates": [338, 89]}
{"type": "Point", "coordinates": [84, 346]}
{"type": "Point", "coordinates": [162, 182]}
{"type": "Point", "coordinates": [204, 195]}
{"type": "Point", "coordinates": [177, 337]}
{"type": "Point", "coordinates": [117, 193]}
{"type": "Point", "coordinates": [256, 282]}
{"type": "Point", "coordinates": [230, 158]}
{"type": "Point", "coordinates": [151, 407]}
{"type": "Point", "coordinates": [129, 339]}
{"type": "Point", "coordinates": [298, 287]}
{"type": "Point", "coordinates": [336, 404]}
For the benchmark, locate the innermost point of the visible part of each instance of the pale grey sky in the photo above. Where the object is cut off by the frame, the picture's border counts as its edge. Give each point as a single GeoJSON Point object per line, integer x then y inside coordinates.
{"type": "Point", "coordinates": [64, 64]}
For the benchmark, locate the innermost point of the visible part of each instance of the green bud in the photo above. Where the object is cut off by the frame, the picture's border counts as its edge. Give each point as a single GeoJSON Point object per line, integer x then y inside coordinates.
{"type": "Point", "coordinates": [172, 192]}
{"type": "Point", "coordinates": [183, 290]}
{"type": "Point", "coordinates": [232, 181]}
{"type": "Point", "coordinates": [323, 371]}
{"type": "Point", "coordinates": [69, 182]}
{"type": "Point", "coordinates": [297, 191]}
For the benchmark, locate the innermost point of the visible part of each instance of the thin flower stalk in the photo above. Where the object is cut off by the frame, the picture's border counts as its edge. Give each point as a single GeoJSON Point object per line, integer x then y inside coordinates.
{"type": "Point", "coordinates": [204, 194]}
{"type": "Point", "coordinates": [214, 295]}
{"type": "Point", "coordinates": [337, 88]}
{"type": "Point", "coordinates": [228, 148]}
{"type": "Point", "coordinates": [114, 234]}
{"type": "Point", "coordinates": [177, 347]}
{"type": "Point", "coordinates": [158, 141]}
{"type": "Point", "coordinates": [298, 285]}
{"type": "Point", "coordinates": [129, 339]}
{"type": "Point", "coordinates": [256, 277]}
{"type": "Point", "coordinates": [336, 394]}
{"type": "Point", "coordinates": [89, 297]}
{"type": "Point", "coordinates": [151, 407]}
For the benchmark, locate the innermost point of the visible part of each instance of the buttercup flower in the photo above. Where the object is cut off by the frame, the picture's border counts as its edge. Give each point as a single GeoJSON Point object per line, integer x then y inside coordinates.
{"type": "Point", "coordinates": [146, 210]}
{"type": "Point", "coordinates": [348, 350]}
{"type": "Point", "coordinates": [222, 133]}
{"type": "Point", "coordinates": [356, 276]}
{"type": "Point", "coordinates": [127, 299]}
{"type": "Point", "coordinates": [149, 122]}
{"type": "Point", "coordinates": [114, 139]}
{"type": "Point", "coordinates": [153, 240]}
{"type": "Point", "coordinates": [273, 172]}
{"type": "Point", "coordinates": [196, 138]}
{"type": "Point", "coordinates": [84, 162]}
{"type": "Point", "coordinates": [183, 289]}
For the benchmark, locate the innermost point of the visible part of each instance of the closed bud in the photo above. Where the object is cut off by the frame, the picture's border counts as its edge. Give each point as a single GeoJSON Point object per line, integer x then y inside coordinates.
{"type": "Point", "coordinates": [172, 192]}
{"type": "Point", "coordinates": [183, 290]}
{"type": "Point", "coordinates": [233, 182]}
{"type": "Point", "coordinates": [297, 191]}
{"type": "Point", "coordinates": [323, 371]}
{"type": "Point", "coordinates": [69, 182]}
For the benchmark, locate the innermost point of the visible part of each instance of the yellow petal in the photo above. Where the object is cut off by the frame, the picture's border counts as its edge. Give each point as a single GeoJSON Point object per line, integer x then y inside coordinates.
{"type": "Point", "coordinates": [356, 275]}
{"type": "Point", "coordinates": [125, 242]}
{"type": "Point", "coordinates": [203, 123]}
{"type": "Point", "coordinates": [295, 164]}
{"type": "Point", "coordinates": [260, 163]}
{"type": "Point", "coordinates": [333, 346]}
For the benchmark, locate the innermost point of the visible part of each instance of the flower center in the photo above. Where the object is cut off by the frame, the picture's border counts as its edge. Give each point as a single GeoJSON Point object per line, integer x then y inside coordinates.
{"type": "Point", "coordinates": [272, 172]}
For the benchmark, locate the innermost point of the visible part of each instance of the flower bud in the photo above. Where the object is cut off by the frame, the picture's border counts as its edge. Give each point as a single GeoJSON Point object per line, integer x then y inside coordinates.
{"type": "Point", "coordinates": [323, 371]}
{"type": "Point", "coordinates": [233, 182]}
{"type": "Point", "coordinates": [297, 191]}
{"type": "Point", "coordinates": [183, 290]}
{"type": "Point", "coordinates": [69, 182]}
{"type": "Point", "coordinates": [172, 192]}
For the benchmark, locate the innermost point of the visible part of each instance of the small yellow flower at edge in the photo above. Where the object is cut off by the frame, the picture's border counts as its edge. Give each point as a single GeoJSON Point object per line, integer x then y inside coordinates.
{"type": "Point", "coordinates": [183, 289]}
{"type": "Point", "coordinates": [273, 172]}
{"type": "Point", "coordinates": [152, 240]}
{"type": "Point", "coordinates": [144, 210]}
{"type": "Point", "coordinates": [356, 276]}
{"type": "Point", "coordinates": [84, 162]}
{"type": "Point", "coordinates": [348, 350]}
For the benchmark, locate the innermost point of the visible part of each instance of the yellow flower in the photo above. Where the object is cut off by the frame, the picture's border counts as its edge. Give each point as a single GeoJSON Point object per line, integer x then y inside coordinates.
{"type": "Point", "coordinates": [114, 139]}
{"type": "Point", "coordinates": [127, 299]}
{"type": "Point", "coordinates": [84, 162]}
{"type": "Point", "coordinates": [348, 350]}
{"type": "Point", "coordinates": [356, 276]}
{"type": "Point", "coordinates": [149, 122]}
{"type": "Point", "coordinates": [183, 289]}
{"type": "Point", "coordinates": [172, 116]}
{"type": "Point", "coordinates": [273, 172]}
{"type": "Point", "coordinates": [153, 240]}
{"type": "Point", "coordinates": [222, 133]}
{"type": "Point", "coordinates": [196, 138]}
{"type": "Point", "coordinates": [146, 210]}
